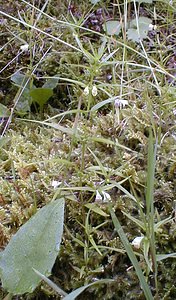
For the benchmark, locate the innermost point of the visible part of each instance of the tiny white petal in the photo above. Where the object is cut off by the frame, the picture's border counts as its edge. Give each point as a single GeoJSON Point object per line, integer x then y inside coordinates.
{"type": "Point", "coordinates": [137, 242]}
{"type": "Point", "coordinates": [55, 183]}
{"type": "Point", "coordinates": [151, 27]}
{"type": "Point", "coordinates": [174, 111]}
{"type": "Point", "coordinates": [86, 91]}
{"type": "Point", "coordinates": [98, 197]}
{"type": "Point", "coordinates": [106, 197]}
{"type": "Point", "coordinates": [24, 47]}
{"type": "Point", "coordinates": [94, 91]}
{"type": "Point", "coordinates": [120, 103]}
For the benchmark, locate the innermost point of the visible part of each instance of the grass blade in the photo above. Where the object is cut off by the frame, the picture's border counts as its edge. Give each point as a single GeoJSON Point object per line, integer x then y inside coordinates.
{"type": "Point", "coordinates": [131, 255]}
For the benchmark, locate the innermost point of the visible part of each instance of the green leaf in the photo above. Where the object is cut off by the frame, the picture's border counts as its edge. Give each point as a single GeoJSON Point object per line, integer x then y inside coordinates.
{"type": "Point", "coordinates": [112, 27]}
{"type": "Point", "coordinates": [24, 103]}
{"type": "Point", "coordinates": [141, 20]}
{"type": "Point", "coordinates": [78, 291]}
{"type": "Point", "coordinates": [4, 111]}
{"type": "Point", "coordinates": [160, 257]}
{"type": "Point", "coordinates": [94, 1]}
{"type": "Point", "coordinates": [56, 288]}
{"type": "Point", "coordinates": [96, 209]}
{"type": "Point", "coordinates": [161, 223]}
{"type": "Point", "coordinates": [51, 83]}
{"type": "Point", "coordinates": [144, 1]}
{"type": "Point", "coordinates": [20, 79]}
{"type": "Point", "coordinates": [131, 255]}
{"type": "Point", "coordinates": [41, 95]}
{"type": "Point", "coordinates": [35, 245]}
{"type": "Point", "coordinates": [102, 103]}
{"type": "Point", "coordinates": [136, 221]}
{"type": "Point", "coordinates": [143, 23]}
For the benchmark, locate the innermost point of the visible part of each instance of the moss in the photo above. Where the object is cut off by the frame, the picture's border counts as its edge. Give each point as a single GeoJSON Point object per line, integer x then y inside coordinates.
{"type": "Point", "coordinates": [34, 155]}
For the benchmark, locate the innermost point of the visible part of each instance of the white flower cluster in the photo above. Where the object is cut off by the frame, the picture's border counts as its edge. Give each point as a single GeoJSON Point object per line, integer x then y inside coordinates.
{"type": "Point", "coordinates": [24, 47]}
{"type": "Point", "coordinates": [94, 91]}
{"type": "Point", "coordinates": [55, 184]}
{"type": "Point", "coordinates": [103, 197]}
{"type": "Point", "coordinates": [120, 103]}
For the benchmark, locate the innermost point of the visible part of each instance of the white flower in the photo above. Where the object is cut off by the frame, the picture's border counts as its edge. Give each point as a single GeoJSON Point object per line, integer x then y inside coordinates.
{"type": "Point", "coordinates": [55, 183]}
{"type": "Point", "coordinates": [24, 47]}
{"type": "Point", "coordinates": [86, 91]}
{"type": "Point", "coordinates": [94, 91]}
{"type": "Point", "coordinates": [137, 242]}
{"type": "Point", "coordinates": [152, 27]}
{"type": "Point", "coordinates": [98, 197]}
{"type": "Point", "coordinates": [106, 197]}
{"type": "Point", "coordinates": [120, 103]}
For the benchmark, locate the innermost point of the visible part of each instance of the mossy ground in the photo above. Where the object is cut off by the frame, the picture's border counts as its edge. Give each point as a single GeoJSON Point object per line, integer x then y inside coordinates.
{"type": "Point", "coordinates": [103, 150]}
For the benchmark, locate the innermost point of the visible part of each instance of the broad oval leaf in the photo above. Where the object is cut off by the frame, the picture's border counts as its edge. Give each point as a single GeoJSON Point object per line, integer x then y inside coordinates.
{"type": "Point", "coordinates": [34, 246]}
{"type": "Point", "coordinates": [143, 23]}
{"type": "Point", "coordinates": [51, 83]}
{"type": "Point", "coordinates": [112, 27]}
{"type": "Point", "coordinates": [21, 79]}
{"type": "Point", "coordinates": [41, 95]}
{"type": "Point", "coordinates": [24, 103]}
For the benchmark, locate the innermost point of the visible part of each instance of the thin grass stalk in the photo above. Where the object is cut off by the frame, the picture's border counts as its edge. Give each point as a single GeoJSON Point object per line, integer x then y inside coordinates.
{"type": "Point", "coordinates": [150, 205]}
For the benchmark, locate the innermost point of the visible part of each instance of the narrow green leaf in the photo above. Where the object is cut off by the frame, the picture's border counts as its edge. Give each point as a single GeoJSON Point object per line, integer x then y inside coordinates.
{"type": "Point", "coordinates": [102, 103]}
{"type": "Point", "coordinates": [161, 223]}
{"type": "Point", "coordinates": [144, 1]}
{"type": "Point", "coordinates": [120, 187]}
{"type": "Point", "coordinates": [78, 291]}
{"type": "Point", "coordinates": [131, 255]}
{"type": "Point", "coordinates": [94, 244]}
{"type": "Point", "coordinates": [94, 1]}
{"type": "Point", "coordinates": [66, 130]}
{"type": "Point", "coordinates": [99, 163]}
{"type": "Point", "coordinates": [150, 175]}
{"type": "Point", "coordinates": [96, 209]}
{"type": "Point", "coordinates": [150, 202]}
{"type": "Point", "coordinates": [160, 257]}
{"type": "Point", "coordinates": [51, 284]}
{"type": "Point", "coordinates": [101, 49]}
{"type": "Point", "coordinates": [35, 245]}
{"type": "Point", "coordinates": [136, 221]}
